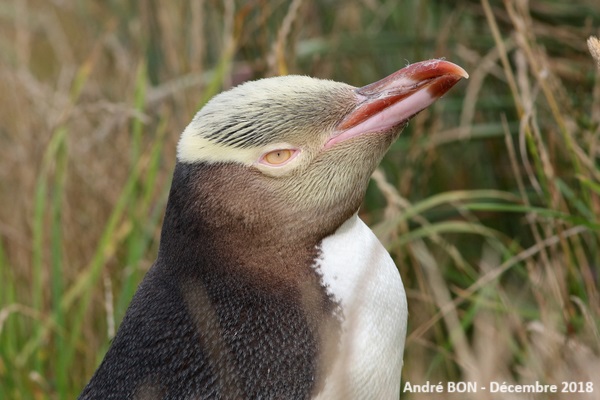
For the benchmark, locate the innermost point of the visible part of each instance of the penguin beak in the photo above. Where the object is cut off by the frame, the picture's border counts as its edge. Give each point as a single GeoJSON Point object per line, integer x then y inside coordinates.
{"type": "Point", "coordinates": [393, 100]}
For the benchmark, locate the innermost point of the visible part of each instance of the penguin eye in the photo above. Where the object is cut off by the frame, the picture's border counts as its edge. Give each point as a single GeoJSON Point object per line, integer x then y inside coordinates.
{"type": "Point", "coordinates": [278, 157]}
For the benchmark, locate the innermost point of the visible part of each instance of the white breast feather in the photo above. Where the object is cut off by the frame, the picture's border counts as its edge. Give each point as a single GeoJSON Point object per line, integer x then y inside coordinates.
{"type": "Point", "coordinates": [361, 275]}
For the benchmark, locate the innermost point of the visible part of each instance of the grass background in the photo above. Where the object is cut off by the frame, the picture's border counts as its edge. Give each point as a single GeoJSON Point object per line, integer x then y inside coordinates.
{"type": "Point", "coordinates": [489, 201]}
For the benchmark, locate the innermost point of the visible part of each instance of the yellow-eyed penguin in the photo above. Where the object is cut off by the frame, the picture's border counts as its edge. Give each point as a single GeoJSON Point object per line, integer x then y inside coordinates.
{"type": "Point", "coordinates": [267, 285]}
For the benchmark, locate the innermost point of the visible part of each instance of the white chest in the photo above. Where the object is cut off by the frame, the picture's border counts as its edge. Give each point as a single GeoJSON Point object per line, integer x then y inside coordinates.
{"type": "Point", "coordinates": [361, 275]}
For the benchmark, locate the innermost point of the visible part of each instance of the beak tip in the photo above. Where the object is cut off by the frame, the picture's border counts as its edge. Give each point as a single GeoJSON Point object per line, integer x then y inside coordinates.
{"type": "Point", "coordinates": [462, 73]}
{"type": "Point", "coordinates": [448, 68]}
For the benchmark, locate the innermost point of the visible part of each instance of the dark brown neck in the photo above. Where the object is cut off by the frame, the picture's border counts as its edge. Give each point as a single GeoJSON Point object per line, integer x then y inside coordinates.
{"type": "Point", "coordinates": [208, 217]}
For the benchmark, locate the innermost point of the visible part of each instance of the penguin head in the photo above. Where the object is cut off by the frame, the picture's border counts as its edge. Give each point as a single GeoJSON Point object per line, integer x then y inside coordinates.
{"type": "Point", "coordinates": [297, 146]}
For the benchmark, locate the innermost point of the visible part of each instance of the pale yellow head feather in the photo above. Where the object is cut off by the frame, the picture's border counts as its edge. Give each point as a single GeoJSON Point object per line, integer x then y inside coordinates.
{"type": "Point", "coordinates": [272, 113]}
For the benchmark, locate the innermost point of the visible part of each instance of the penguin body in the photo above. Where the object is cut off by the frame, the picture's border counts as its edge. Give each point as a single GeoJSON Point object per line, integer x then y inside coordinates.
{"type": "Point", "coordinates": [204, 324]}
{"type": "Point", "coordinates": [267, 285]}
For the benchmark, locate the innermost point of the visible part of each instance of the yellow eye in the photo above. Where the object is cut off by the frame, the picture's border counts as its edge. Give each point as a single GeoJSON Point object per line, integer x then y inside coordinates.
{"type": "Point", "coordinates": [278, 157]}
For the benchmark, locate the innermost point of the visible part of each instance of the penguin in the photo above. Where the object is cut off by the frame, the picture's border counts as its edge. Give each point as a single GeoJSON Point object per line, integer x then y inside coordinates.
{"type": "Point", "coordinates": [267, 285]}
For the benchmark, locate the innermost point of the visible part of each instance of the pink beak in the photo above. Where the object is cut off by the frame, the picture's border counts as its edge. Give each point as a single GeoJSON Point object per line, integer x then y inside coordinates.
{"type": "Point", "coordinates": [393, 100]}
